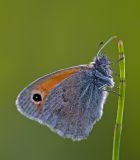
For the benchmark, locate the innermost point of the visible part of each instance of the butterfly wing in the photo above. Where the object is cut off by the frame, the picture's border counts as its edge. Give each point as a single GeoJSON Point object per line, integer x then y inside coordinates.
{"type": "Point", "coordinates": [42, 86]}
{"type": "Point", "coordinates": [71, 102]}
{"type": "Point", "coordinates": [73, 106]}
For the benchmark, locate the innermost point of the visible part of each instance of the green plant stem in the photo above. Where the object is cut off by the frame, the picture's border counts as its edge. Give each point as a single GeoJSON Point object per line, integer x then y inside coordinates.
{"type": "Point", "coordinates": [121, 99]}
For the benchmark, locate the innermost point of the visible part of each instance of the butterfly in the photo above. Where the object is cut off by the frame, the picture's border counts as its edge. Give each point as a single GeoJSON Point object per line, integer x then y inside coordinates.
{"type": "Point", "coordinates": [69, 101]}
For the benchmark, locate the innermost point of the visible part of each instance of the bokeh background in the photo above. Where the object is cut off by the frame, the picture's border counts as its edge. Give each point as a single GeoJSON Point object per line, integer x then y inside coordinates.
{"type": "Point", "coordinates": [41, 36]}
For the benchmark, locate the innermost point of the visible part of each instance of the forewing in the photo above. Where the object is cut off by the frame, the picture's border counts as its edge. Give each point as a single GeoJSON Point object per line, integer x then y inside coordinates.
{"type": "Point", "coordinates": [43, 86]}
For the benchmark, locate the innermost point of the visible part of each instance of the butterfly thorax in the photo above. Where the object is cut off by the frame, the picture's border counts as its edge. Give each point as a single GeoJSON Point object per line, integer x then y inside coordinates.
{"type": "Point", "coordinates": [102, 72]}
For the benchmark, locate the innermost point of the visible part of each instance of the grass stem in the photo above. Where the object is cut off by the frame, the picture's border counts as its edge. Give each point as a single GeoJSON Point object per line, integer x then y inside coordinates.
{"type": "Point", "coordinates": [121, 99]}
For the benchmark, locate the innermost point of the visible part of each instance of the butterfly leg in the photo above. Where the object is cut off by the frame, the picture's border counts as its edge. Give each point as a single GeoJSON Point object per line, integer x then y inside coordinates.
{"type": "Point", "coordinates": [116, 62]}
{"type": "Point", "coordinates": [111, 91]}
{"type": "Point", "coordinates": [108, 90]}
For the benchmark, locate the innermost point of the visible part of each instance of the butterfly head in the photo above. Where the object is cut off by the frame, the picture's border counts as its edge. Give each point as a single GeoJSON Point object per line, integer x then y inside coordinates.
{"type": "Point", "coordinates": [102, 60]}
{"type": "Point", "coordinates": [102, 63]}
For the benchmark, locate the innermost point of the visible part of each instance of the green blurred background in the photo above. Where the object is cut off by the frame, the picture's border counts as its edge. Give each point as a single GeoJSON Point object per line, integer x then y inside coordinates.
{"type": "Point", "coordinates": [38, 37]}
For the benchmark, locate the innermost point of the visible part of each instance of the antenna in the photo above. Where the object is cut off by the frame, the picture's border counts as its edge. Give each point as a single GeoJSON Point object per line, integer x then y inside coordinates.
{"type": "Point", "coordinates": [105, 44]}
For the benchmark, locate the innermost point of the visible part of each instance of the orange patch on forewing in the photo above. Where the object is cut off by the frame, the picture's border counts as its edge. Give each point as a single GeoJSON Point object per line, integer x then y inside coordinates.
{"type": "Point", "coordinates": [46, 86]}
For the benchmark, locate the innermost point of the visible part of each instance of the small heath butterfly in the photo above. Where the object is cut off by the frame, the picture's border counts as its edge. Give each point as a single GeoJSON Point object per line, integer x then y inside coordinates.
{"type": "Point", "coordinates": [69, 101]}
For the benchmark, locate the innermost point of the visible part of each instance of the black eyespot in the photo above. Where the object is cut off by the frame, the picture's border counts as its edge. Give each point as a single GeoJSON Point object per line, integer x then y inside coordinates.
{"type": "Point", "coordinates": [37, 97]}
